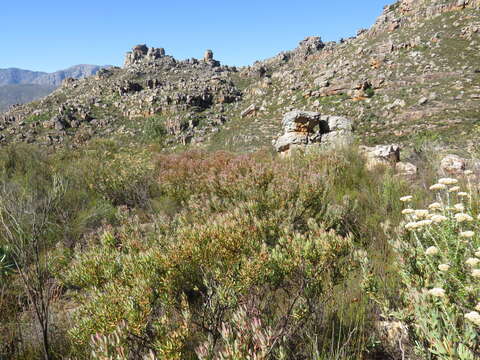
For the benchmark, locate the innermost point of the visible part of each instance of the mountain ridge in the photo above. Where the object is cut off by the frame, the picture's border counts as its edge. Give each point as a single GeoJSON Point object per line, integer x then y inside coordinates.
{"type": "Point", "coordinates": [398, 80]}
{"type": "Point", "coordinates": [18, 86]}
{"type": "Point", "coordinates": [16, 76]}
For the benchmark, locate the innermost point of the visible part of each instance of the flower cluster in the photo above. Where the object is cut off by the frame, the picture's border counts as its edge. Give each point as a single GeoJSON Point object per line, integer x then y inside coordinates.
{"type": "Point", "coordinates": [442, 240]}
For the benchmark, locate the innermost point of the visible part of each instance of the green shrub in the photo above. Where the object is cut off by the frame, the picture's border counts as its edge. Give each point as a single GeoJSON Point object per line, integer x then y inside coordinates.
{"type": "Point", "coordinates": [370, 92]}
{"type": "Point", "coordinates": [228, 237]}
{"type": "Point", "coordinates": [154, 129]}
{"type": "Point", "coordinates": [277, 235]}
{"type": "Point", "coordinates": [121, 176]}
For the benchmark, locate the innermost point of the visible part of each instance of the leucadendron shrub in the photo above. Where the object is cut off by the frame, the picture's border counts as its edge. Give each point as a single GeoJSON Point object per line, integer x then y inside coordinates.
{"type": "Point", "coordinates": [196, 280]}
{"type": "Point", "coordinates": [253, 237]}
{"type": "Point", "coordinates": [439, 264]}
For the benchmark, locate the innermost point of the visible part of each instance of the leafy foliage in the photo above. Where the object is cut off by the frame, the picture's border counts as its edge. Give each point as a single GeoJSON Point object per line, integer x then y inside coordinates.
{"type": "Point", "coordinates": [171, 255]}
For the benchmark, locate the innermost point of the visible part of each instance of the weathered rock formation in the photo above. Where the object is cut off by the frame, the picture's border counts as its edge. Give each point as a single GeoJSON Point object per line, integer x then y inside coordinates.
{"type": "Point", "coordinates": [305, 128]}
{"type": "Point", "coordinates": [143, 52]}
{"type": "Point", "coordinates": [453, 164]}
{"type": "Point", "coordinates": [415, 74]}
{"type": "Point", "coordinates": [406, 11]}
{"type": "Point", "coordinates": [208, 58]}
{"type": "Point", "coordinates": [388, 155]}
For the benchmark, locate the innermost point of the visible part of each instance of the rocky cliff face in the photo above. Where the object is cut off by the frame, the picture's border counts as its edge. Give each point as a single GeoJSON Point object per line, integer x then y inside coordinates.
{"type": "Point", "coordinates": [415, 74]}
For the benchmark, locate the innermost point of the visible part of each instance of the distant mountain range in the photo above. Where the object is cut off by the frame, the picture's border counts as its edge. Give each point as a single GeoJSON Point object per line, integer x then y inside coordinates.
{"type": "Point", "coordinates": [22, 93]}
{"type": "Point", "coordinates": [18, 86]}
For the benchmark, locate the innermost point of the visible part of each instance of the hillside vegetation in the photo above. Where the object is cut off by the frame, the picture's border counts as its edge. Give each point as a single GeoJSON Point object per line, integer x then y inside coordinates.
{"type": "Point", "coordinates": [144, 213]}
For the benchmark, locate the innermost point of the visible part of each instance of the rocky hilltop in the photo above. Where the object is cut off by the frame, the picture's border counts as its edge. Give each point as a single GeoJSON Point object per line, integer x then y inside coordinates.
{"type": "Point", "coordinates": [414, 75]}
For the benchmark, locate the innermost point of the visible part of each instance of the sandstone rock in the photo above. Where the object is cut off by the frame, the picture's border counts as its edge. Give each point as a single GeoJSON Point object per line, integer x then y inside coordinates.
{"type": "Point", "coordinates": [337, 138]}
{"type": "Point", "coordinates": [453, 164]}
{"type": "Point", "coordinates": [336, 123]}
{"type": "Point", "coordinates": [142, 48]}
{"type": "Point", "coordinates": [336, 130]}
{"type": "Point", "coordinates": [422, 101]}
{"type": "Point", "coordinates": [208, 56]}
{"type": "Point", "coordinates": [252, 109]}
{"type": "Point", "coordinates": [381, 154]}
{"type": "Point", "coordinates": [286, 141]}
{"type": "Point", "coordinates": [306, 128]}
{"type": "Point", "coordinates": [406, 169]}
{"type": "Point", "coordinates": [140, 52]}
{"type": "Point", "coordinates": [58, 123]}
{"type": "Point", "coordinates": [300, 121]}
{"type": "Point", "coordinates": [394, 335]}
{"type": "Point", "coordinates": [155, 53]}
{"type": "Point", "coordinates": [310, 45]}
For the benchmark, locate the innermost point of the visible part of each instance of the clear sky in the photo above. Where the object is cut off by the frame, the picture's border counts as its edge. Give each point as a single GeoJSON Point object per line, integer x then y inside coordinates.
{"type": "Point", "coordinates": [49, 35]}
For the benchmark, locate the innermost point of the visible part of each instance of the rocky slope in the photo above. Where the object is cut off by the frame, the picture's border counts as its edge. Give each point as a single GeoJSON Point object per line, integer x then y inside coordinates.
{"type": "Point", "coordinates": [414, 75]}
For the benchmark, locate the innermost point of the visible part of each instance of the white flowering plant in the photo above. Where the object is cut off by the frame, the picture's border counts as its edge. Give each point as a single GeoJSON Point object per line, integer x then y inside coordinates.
{"type": "Point", "coordinates": [440, 272]}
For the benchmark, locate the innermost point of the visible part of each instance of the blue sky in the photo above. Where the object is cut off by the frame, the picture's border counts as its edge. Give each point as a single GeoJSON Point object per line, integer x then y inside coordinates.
{"type": "Point", "coordinates": [49, 35]}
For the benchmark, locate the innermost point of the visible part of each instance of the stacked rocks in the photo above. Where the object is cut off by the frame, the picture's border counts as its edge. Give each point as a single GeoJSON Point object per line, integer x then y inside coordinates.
{"type": "Point", "coordinates": [306, 128]}
{"type": "Point", "coordinates": [208, 58]}
{"type": "Point", "coordinates": [142, 52]}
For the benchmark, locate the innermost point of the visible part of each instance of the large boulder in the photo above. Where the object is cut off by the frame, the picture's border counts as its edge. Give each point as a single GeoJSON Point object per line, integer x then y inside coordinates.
{"type": "Point", "coordinates": [208, 56]}
{"type": "Point", "coordinates": [406, 169]}
{"type": "Point", "coordinates": [336, 130]}
{"type": "Point", "coordinates": [337, 123]}
{"type": "Point", "coordinates": [288, 140]}
{"type": "Point", "coordinates": [155, 53]}
{"type": "Point", "coordinates": [381, 154]}
{"type": "Point", "coordinates": [306, 128]}
{"type": "Point", "coordinates": [310, 45]}
{"type": "Point", "coordinates": [389, 153]}
{"type": "Point", "coordinates": [142, 52]}
{"type": "Point", "coordinates": [142, 48]}
{"type": "Point", "coordinates": [453, 164]}
{"type": "Point", "coordinates": [300, 121]}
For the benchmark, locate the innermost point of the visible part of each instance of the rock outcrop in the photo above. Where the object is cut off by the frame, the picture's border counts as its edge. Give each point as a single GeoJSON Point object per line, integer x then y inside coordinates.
{"type": "Point", "coordinates": [453, 164]}
{"type": "Point", "coordinates": [388, 155]}
{"type": "Point", "coordinates": [404, 12]}
{"type": "Point", "coordinates": [208, 58]}
{"type": "Point", "coordinates": [305, 128]}
{"type": "Point", "coordinates": [143, 52]}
